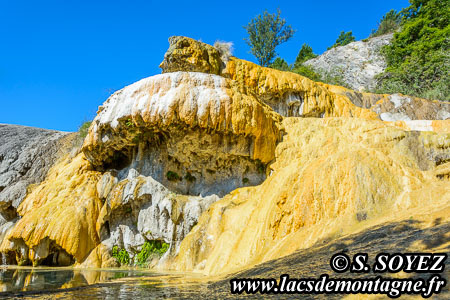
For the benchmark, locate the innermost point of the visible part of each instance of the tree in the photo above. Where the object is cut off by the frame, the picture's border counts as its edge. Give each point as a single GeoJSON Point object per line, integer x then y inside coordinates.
{"type": "Point", "coordinates": [390, 22]}
{"type": "Point", "coordinates": [280, 64]}
{"type": "Point", "coordinates": [265, 33]}
{"type": "Point", "coordinates": [343, 39]}
{"type": "Point", "coordinates": [418, 57]}
{"type": "Point", "coordinates": [304, 54]}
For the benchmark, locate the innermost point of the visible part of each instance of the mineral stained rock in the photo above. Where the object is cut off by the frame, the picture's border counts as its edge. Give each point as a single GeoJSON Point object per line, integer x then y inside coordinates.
{"type": "Point", "coordinates": [331, 176]}
{"type": "Point", "coordinates": [26, 155]}
{"type": "Point", "coordinates": [230, 163]}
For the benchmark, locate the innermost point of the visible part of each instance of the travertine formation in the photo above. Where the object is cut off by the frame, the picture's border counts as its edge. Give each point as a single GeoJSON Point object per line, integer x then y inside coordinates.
{"type": "Point", "coordinates": [332, 176]}
{"type": "Point", "coordinates": [293, 161]}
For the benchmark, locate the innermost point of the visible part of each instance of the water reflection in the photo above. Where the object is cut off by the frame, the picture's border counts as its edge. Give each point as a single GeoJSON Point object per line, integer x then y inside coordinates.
{"type": "Point", "coordinates": [23, 279]}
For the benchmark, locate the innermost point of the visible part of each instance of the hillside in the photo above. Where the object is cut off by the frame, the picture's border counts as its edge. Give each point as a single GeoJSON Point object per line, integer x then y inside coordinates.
{"type": "Point", "coordinates": [356, 64]}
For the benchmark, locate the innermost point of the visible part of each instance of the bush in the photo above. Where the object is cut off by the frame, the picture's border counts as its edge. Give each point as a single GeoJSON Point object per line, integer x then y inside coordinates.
{"type": "Point", "coordinates": [307, 71]}
{"type": "Point", "coordinates": [121, 256]}
{"type": "Point", "coordinates": [390, 22]}
{"type": "Point", "coordinates": [280, 64]}
{"type": "Point", "coordinates": [343, 39]}
{"type": "Point", "coordinates": [305, 53]}
{"type": "Point", "coordinates": [172, 176]}
{"type": "Point", "coordinates": [334, 78]}
{"type": "Point", "coordinates": [84, 129]}
{"type": "Point", "coordinates": [150, 248]}
{"type": "Point", "coordinates": [418, 56]}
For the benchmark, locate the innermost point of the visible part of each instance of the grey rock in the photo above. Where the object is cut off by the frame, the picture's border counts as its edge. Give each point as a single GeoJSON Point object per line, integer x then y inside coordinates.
{"type": "Point", "coordinates": [148, 211]}
{"type": "Point", "coordinates": [357, 63]}
{"type": "Point", "coordinates": [26, 154]}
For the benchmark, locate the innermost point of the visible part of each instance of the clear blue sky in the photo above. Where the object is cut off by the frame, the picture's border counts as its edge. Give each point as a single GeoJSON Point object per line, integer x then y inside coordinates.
{"type": "Point", "coordinates": [59, 60]}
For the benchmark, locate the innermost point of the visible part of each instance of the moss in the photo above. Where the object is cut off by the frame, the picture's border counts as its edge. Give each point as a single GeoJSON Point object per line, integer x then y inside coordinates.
{"type": "Point", "coordinates": [129, 123]}
{"type": "Point", "coordinates": [245, 180]}
{"type": "Point", "coordinates": [173, 176]}
{"type": "Point", "coordinates": [260, 167]}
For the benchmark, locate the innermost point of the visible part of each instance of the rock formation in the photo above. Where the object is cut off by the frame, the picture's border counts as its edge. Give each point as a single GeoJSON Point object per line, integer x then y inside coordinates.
{"type": "Point", "coordinates": [357, 63]}
{"type": "Point", "coordinates": [230, 163]}
{"type": "Point", "coordinates": [26, 154]}
{"type": "Point", "coordinates": [332, 176]}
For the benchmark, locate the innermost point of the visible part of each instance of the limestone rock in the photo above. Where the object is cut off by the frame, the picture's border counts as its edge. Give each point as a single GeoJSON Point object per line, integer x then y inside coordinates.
{"type": "Point", "coordinates": [194, 127]}
{"type": "Point", "coordinates": [398, 107]}
{"type": "Point", "coordinates": [292, 95]}
{"type": "Point", "coordinates": [357, 63]}
{"type": "Point", "coordinates": [330, 175]}
{"type": "Point", "coordinates": [294, 161]}
{"type": "Point", "coordinates": [186, 54]}
{"type": "Point", "coordinates": [58, 217]}
{"type": "Point", "coordinates": [139, 209]}
{"type": "Point", "coordinates": [26, 155]}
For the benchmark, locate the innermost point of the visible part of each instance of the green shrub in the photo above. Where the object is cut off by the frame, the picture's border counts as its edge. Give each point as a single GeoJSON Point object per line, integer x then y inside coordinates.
{"type": "Point", "coordinates": [280, 64]}
{"type": "Point", "coordinates": [129, 123]}
{"type": "Point", "coordinates": [418, 56]}
{"type": "Point", "coordinates": [334, 78]}
{"type": "Point", "coordinates": [305, 53]}
{"type": "Point", "coordinates": [307, 71]}
{"type": "Point", "coordinates": [84, 129]}
{"type": "Point", "coordinates": [121, 255]}
{"type": "Point", "coordinates": [149, 248]}
{"type": "Point", "coordinates": [343, 39]}
{"type": "Point", "coordinates": [172, 176]}
{"type": "Point", "coordinates": [390, 22]}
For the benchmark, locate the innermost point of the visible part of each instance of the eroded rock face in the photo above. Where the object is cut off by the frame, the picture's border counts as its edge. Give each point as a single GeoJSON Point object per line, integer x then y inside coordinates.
{"type": "Point", "coordinates": [26, 155]}
{"type": "Point", "coordinates": [140, 209]}
{"type": "Point", "coordinates": [331, 176]}
{"type": "Point", "coordinates": [57, 219]}
{"type": "Point", "coordinates": [190, 131]}
{"type": "Point", "coordinates": [357, 63]}
{"type": "Point", "coordinates": [162, 152]}
{"type": "Point", "coordinates": [191, 56]}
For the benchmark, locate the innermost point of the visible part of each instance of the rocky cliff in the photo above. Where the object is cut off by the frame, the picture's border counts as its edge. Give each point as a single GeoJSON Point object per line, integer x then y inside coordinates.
{"type": "Point", "coordinates": [231, 164]}
{"type": "Point", "coordinates": [356, 63]}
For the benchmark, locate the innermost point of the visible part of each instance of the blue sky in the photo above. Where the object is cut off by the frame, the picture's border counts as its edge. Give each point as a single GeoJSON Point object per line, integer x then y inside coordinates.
{"type": "Point", "coordinates": [60, 60]}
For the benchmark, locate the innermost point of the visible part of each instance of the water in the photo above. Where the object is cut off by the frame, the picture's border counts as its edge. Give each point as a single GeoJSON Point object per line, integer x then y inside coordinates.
{"type": "Point", "coordinates": [70, 283]}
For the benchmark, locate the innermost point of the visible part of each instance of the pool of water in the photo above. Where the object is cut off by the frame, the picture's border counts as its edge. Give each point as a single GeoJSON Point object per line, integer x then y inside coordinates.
{"type": "Point", "coordinates": [42, 282]}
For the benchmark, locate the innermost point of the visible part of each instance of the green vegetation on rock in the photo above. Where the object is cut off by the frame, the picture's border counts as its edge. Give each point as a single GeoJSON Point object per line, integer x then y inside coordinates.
{"type": "Point", "coordinates": [84, 128]}
{"type": "Point", "coordinates": [305, 53]}
{"type": "Point", "coordinates": [173, 176]}
{"type": "Point", "coordinates": [280, 64]}
{"type": "Point", "coordinates": [390, 22]}
{"type": "Point", "coordinates": [149, 249]}
{"type": "Point", "coordinates": [121, 255]}
{"type": "Point", "coordinates": [418, 58]}
{"type": "Point", "coordinates": [343, 39]}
